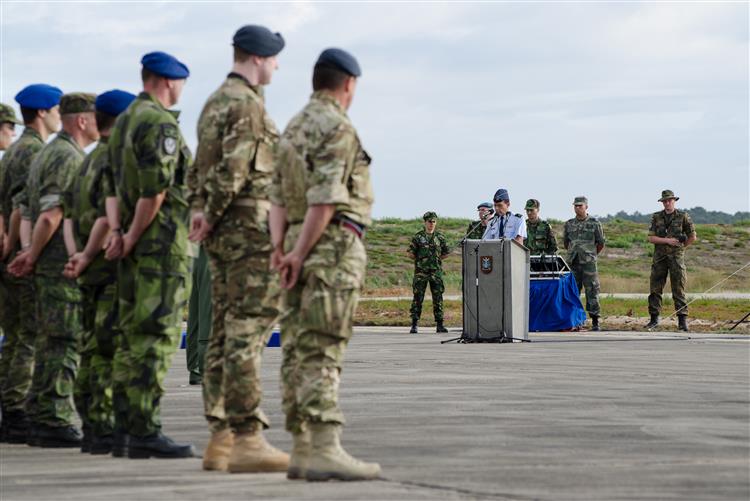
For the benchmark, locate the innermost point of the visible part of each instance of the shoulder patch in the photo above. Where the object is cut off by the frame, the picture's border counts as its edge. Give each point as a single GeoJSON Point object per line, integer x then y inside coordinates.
{"type": "Point", "coordinates": [169, 138]}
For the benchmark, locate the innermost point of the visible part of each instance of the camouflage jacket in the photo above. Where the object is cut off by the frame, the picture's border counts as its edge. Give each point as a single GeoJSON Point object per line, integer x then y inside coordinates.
{"type": "Point", "coordinates": [670, 226]}
{"type": "Point", "coordinates": [321, 161]}
{"type": "Point", "coordinates": [51, 173]}
{"type": "Point", "coordinates": [581, 236]}
{"type": "Point", "coordinates": [233, 165]}
{"type": "Point", "coordinates": [84, 204]}
{"type": "Point", "coordinates": [475, 230]}
{"type": "Point", "coordinates": [14, 168]}
{"type": "Point", "coordinates": [541, 239]}
{"type": "Point", "coordinates": [428, 251]}
{"type": "Point", "coordinates": [148, 155]}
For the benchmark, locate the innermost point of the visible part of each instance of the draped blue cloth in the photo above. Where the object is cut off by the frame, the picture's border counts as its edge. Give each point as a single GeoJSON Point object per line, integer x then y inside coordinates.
{"type": "Point", "coordinates": [554, 305]}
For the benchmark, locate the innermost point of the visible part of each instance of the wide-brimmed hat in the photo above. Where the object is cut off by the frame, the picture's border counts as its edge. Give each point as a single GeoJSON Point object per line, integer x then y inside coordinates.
{"type": "Point", "coordinates": [667, 194]}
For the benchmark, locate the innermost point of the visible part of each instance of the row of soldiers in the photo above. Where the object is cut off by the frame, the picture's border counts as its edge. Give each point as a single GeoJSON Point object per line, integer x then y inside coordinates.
{"type": "Point", "coordinates": [97, 256]}
{"type": "Point", "coordinates": [671, 231]}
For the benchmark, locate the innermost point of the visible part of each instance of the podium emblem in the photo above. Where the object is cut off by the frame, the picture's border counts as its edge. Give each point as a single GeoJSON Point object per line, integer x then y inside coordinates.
{"type": "Point", "coordinates": [485, 263]}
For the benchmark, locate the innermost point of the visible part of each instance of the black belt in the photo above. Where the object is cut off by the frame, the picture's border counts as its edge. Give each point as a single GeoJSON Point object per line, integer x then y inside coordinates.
{"type": "Point", "coordinates": [346, 223]}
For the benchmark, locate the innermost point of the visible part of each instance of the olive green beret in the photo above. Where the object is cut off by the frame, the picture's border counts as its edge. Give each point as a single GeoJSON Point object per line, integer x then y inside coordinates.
{"type": "Point", "coordinates": [77, 102]}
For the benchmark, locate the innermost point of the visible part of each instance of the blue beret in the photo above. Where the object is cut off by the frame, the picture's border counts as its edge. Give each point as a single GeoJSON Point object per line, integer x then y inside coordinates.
{"type": "Point", "coordinates": [39, 97]}
{"type": "Point", "coordinates": [501, 194]}
{"type": "Point", "coordinates": [165, 65]}
{"type": "Point", "coordinates": [113, 102]}
{"type": "Point", "coordinates": [484, 205]}
{"type": "Point", "coordinates": [340, 59]}
{"type": "Point", "coordinates": [258, 40]}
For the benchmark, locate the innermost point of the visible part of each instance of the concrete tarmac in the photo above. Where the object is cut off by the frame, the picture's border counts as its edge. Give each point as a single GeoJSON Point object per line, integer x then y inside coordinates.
{"type": "Point", "coordinates": [617, 415]}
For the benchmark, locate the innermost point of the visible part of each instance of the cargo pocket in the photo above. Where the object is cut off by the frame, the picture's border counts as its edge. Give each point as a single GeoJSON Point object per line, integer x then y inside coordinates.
{"type": "Point", "coordinates": [159, 294]}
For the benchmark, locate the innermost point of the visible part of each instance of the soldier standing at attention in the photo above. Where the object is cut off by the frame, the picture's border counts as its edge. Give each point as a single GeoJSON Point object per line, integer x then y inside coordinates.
{"type": "Point", "coordinates": [149, 160]}
{"type": "Point", "coordinates": [428, 248]}
{"type": "Point", "coordinates": [476, 229]}
{"type": "Point", "coordinates": [8, 122]}
{"type": "Point", "coordinates": [540, 239]}
{"type": "Point", "coordinates": [671, 232]}
{"type": "Point", "coordinates": [97, 277]}
{"type": "Point", "coordinates": [505, 224]}
{"type": "Point", "coordinates": [41, 116]}
{"type": "Point", "coordinates": [229, 198]}
{"type": "Point", "coordinates": [58, 298]}
{"type": "Point", "coordinates": [322, 199]}
{"type": "Point", "coordinates": [583, 238]}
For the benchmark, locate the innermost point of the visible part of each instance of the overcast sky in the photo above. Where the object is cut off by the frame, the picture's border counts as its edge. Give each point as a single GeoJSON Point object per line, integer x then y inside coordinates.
{"type": "Point", "coordinates": [616, 101]}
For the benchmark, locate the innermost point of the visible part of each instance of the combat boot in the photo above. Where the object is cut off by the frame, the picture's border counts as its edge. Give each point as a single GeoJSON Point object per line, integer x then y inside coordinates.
{"type": "Point", "coordinates": [58, 436]}
{"type": "Point", "coordinates": [682, 323]}
{"type": "Point", "coordinates": [158, 445]}
{"type": "Point", "coordinates": [251, 453]}
{"type": "Point", "coordinates": [595, 323]}
{"type": "Point", "coordinates": [329, 461]}
{"type": "Point", "coordinates": [413, 327]}
{"type": "Point", "coordinates": [101, 444]}
{"type": "Point", "coordinates": [120, 441]}
{"type": "Point", "coordinates": [653, 323]}
{"type": "Point", "coordinates": [440, 328]}
{"type": "Point", "coordinates": [216, 455]}
{"type": "Point", "coordinates": [16, 428]}
{"type": "Point", "coordinates": [300, 456]}
{"type": "Point", "coordinates": [32, 435]}
{"type": "Point", "coordinates": [86, 440]}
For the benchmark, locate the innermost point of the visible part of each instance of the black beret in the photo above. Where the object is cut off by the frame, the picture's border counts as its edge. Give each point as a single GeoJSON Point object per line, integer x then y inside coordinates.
{"type": "Point", "coordinates": [258, 40]}
{"type": "Point", "coordinates": [340, 59]}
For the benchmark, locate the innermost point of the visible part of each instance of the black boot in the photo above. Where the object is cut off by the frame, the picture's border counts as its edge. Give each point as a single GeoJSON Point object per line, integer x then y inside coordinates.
{"type": "Point", "coordinates": [654, 322]}
{"type": "Point", "coordinates": [16, 428]}
{"type": "Point", "coordinates": [101, 444]}
{"type": "Point", "coordinates": [682, 323]}
{"type": "Point", "coordinates": [595, 323]}
{"type": "Point", "coordinates": [86, 440]}
{"type": "Point", "coordinates": [440, 328]}
{"type": "Point", "coordinates": [413, 327]}
{"type": "Point", "coordinates": [59, 436]}
{"type": "Point", "coordinates": [120, 441]}
{"type": "Point", "coordinates": [32, 435]}
{"type": "Point", "coordinates": [158, 446]}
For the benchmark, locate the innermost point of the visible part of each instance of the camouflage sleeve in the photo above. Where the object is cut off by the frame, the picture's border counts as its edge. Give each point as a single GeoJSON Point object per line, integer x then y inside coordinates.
{"type": "Point", "coordinates": [3, 186]}
{"type": "Point", "coordinates": [551, 241]}
{"type": "Point", "coordinates": [195, 195]}
{"type": "Point", "coordinates": [156, 145]}
{"type": "Point", "coordinates": [55, 177]}
{"type": "Point", "coordinates": [274, 190]}
{"type": "Point", "coordinates": [652, 228]}
{"type": "Point", "coordinates": [599, 235]}
{"type": "Point", "coordinates": [326, 182]}
{"type": "Point", "coordinates": [18, 177]}
{"type": "Point", "coordinates": [21, 202]}
{"type": "Point", "coordinates": [444, 249]}
{"type": "Point", "coordinates": [566, 236]}
{"type": "Point", "coordinates": [413, 245]}
{"type": "Point", "coordinates": [688, 228]}
{"type": "Point", "coordinates": [238, 144]}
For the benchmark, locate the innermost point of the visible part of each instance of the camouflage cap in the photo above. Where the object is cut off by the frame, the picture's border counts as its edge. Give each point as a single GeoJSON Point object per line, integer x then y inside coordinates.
{"type": "Point", "coordinates": [77, 102]}
{"type": "Point", "coordinates": [580, 201]}
{"type": "Point", "coordinates": [429, 216]}
{"type": "Point", "coordinates": [8, 115]}
{"type": "Point", "coordinates": [532, 203]}
{"type": "Point", "coordinates": [667, 194]}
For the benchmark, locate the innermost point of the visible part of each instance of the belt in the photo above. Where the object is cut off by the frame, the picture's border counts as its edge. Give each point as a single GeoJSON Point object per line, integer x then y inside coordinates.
{"type": "Point", "coordinates": [348, 224]}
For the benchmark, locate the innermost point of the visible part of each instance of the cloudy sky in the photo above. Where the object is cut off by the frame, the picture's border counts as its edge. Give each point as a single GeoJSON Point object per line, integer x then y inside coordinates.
{"type": "Point", "coordinates": [614, 100]}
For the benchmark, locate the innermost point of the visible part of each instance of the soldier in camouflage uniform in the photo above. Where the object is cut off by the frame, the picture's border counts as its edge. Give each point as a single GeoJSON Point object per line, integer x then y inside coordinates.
{"type": "Point", "coordinates": [428, 248]}
{"type": "Point", "coordinates": [149, 160]}
{"type": "Point", "coordinates": [97, 277]}
{"type": "Point", "coordinates": [476, 229]}
{"type": "Point", "coordinates": [8, 122]}
{"type": "Point", "coordinates": [540, 239]}
{"type": "Point", "coordinates": [583, 238]}
{"type": "Point", "coordinates": [671, 232]}
{"type": "Point", "coordinates": [58, 299]}
{"type": "Point", "coordinates": [322, 200]}
{"type": "Point", "coordinates": [229, 198]}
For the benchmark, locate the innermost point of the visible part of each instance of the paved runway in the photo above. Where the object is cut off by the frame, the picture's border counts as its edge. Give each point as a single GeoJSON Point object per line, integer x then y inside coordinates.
{"type": "Point", "coordinates": [573, 416]}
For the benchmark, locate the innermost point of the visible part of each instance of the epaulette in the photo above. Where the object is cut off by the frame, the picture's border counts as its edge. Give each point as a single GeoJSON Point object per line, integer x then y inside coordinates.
{"type": "Point", "coordinates": [518, 215]}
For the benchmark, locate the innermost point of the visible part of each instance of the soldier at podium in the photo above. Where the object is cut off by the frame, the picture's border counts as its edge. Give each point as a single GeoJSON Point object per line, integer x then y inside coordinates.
{"type": "Point", "coordinates": [505, 224]}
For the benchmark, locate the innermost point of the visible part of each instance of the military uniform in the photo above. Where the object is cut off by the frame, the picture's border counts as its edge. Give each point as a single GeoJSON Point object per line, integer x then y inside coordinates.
{"type": "Point", "coordinates": [540, 239]}
{"type": "Point", "coordinates": [229, 183]}
{"type": "Point", "coordinates": [200, 313]}
{"type": "Point", "coordinates": [505, 226]}
{"type": "Point", "coordinates": [428, 250]}
{"type": "Point", "coordinates": [475, 230]}
{"type": "Point", "coordinates": [581, 237]}
{"type": "Point", "coordinates": [148, 155]}
{"type": "Point", "coordinates": [669, 260]}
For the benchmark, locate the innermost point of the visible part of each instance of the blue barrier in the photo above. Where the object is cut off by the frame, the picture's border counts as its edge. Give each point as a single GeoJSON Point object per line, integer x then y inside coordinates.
{"type": "Point", "coordinates": [273, 342]}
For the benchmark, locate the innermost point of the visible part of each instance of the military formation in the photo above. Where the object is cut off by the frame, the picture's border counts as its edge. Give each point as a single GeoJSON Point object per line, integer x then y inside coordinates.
{"type": "Point", "coordinates": [97, 252]}
{"type": "Point", "coordinates": [671, 232]}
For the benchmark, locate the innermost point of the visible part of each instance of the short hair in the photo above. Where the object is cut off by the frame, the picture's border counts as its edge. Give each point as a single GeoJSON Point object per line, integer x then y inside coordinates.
{"type": "Point", "coordinates": [104, 120]}
{"type": "Point", "coordinates": [147, 75]}
{"type": "Point", "coordinates": [240, 56]}
{"type": "Point", "coordinates": [328, 78]}
{"type": "Point", "coordinates": [29, 114]}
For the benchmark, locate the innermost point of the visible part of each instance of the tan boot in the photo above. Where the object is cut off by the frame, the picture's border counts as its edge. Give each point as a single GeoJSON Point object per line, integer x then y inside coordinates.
{"type": "Point", "coordinates": [216, 456]}
{"type": "Point", "coordinates": [329, 461]}
{"type": "Point", "coordinates": [252, 454]}
{"type": "Point", "coordinates": [300, 455]}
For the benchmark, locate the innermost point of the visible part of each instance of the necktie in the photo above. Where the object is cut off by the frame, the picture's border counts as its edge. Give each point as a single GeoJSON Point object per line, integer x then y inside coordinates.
{"type": "Point", "coordinates": [502, 226]}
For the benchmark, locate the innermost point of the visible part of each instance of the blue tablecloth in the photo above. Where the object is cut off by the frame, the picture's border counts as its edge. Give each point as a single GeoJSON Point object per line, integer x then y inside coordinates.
{"type": "Point", "coordinates": [554, 305]}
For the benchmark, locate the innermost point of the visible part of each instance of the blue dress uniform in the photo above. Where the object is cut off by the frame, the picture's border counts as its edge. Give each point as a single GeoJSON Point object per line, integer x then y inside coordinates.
{"type": "Point", "coordinates": [505, 226]}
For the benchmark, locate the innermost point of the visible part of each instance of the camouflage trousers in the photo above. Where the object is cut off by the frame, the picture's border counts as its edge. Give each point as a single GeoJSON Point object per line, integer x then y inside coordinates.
{"type": "Point", "coordinates": [317, 325]}
{"type": "Point", "coordinates": [587, 278]}
{"type": "Point", "coordinates": [199, 317]}
{"type": "Point", "coordinates": [245, 308]}
{"type": "Point", "coordinates": [152, 296]}
{"type": "Point", "coordinates": [674, 266]}
{"type": "Point", "coordinates": [18, 310]}
{"type": "Point", "coordinates": [93, 389]}
{"type": "Point", "coordinates": [58, 302]}
{"type": "Point", "coordinates": [419, 286]}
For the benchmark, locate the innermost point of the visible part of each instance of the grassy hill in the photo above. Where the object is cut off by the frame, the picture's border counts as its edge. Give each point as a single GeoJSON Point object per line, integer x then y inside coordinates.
{"type": "Point", "coordinates": [624, 265]}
